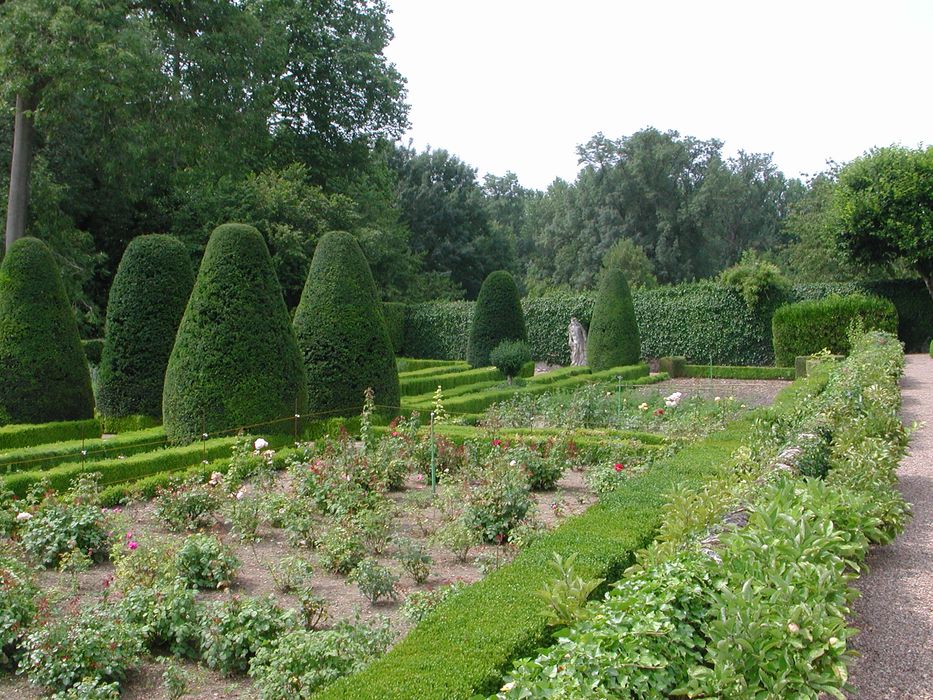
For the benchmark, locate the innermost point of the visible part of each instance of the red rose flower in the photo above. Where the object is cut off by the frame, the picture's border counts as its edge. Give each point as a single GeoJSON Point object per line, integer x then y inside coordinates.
{"type": "Point", "coordinates": [619, 466]}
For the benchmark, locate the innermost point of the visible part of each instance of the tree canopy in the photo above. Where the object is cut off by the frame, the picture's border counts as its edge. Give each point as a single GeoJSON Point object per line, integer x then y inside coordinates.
{"type": "Point", "coordinates": [884, 208]}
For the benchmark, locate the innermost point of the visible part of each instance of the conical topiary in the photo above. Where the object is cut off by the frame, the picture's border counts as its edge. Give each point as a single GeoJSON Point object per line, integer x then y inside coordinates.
{"type": "Point", "coordinates": [341, 331]}
{"type": "Point", "coordinates": [147, 299]}
{"type": "Point", "coordinates": [497, 316]}
{"type": "Point", "coordinates": [44, 375]}
{"type": "Point", "coordinates": [235, 361]}
{"type": "Point", "coordinates": [613, 339]}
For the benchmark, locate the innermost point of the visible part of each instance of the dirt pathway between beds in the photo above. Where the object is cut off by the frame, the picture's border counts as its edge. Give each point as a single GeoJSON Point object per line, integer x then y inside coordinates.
{"type": "Point", "coordinates": [895, 610]}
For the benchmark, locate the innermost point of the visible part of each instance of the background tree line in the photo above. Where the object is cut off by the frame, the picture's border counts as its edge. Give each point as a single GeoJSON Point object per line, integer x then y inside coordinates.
{"type": "Point", "coordinates": [175, 116]}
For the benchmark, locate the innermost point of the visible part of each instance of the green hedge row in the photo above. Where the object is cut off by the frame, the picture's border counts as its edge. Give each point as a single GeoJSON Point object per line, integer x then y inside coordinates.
{"type": "Point", "coordinates": [432, 371]}
{"type": "Point", "coordinates": [21, 435]}
{"type": "Point", "coordinates": [705, 322]}
{"type": "Point", "coordinates": [410, 364]}
{"type": "Point", "coordinates": [52, 454]}
{"type": "Point", "coordinates": [463, 647]}
{"type": "Point", "coordinates": [148, 486]}
{"type": "Point", "coordinates": [730, 372]}
{"type": "Point", "coordinates": [424, 385]}
{"type": "Point", "coordinates": [479, 401]}
{"type": "Point", "coordinates": [807, 327]}
{"type": "Point", "coordinates": [114, 471]}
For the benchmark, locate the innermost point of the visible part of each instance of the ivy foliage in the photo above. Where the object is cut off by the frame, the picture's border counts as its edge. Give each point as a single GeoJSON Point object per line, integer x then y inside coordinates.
{"type": "Point", "coordinates": [45, 375]}
{"type": "Point", "coordinates": [235, 361]}
{"type": "Point", "coordinates": [341, 331]}
{"type": "Point", "coordinates": [147, 300]}
{"type": "Point", "coordinates": [613, 339]}
{"type": "Point", "coordinates": [497, 316]}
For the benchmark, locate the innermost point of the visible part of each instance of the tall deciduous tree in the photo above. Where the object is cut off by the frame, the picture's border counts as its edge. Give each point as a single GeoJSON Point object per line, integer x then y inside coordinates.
{"type": "Point", "coordinates": [884, 208]}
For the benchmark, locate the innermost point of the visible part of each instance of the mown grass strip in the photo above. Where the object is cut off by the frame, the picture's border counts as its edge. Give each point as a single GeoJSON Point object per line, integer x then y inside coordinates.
{"type": "Point", "coordinates": [467, 643]}
{"type": "Point", "coordinates": [51, 455]}
{"type": "Point", "coordinates": [727, 372]}
{"type": "Point", "coordinates": [119, 470]}
{"type": "Point", "coordinates": [21, 435]}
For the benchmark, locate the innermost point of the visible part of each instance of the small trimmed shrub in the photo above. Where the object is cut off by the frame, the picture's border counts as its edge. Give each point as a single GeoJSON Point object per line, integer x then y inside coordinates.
{"type": "Point", "coordinates": [374, 580]}
{"type": "Point", "coordinates": [342, 333]}
{"type": "Point", "coordinates": [147, 300]}
{"type": "Point", "coordinates": [498, 316]}
{"type": "Point", "coordinates": [675, 366]}
{"type": "Point", "coordinates": [510, 356]}
{"type": "Point", "coordinates": [43, 366]}
{"type": "Point", "coordinates": [613, 338]}
{"type": "Point", "coordinates": [235, 361]}
{"type": "Point", "coordinates": [807, 327]}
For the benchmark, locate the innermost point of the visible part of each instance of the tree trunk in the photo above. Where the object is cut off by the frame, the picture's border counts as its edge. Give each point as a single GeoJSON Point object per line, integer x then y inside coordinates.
{"type": "Point", "coordinates": [18, 202]}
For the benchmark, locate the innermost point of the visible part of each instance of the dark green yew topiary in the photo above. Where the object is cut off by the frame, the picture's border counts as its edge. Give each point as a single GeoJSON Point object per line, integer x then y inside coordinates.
{"type": "Point", "coordinates": [613, 339]}
{"type": "Point", "coordinates": [498, 316]}
{"type": "Point", "coordinates": [235, 361]}
{"type": "Point", "coordinates": [44, 374]}
{"type": "Point", "coordinates": [341, 331]}
{"type": "Point", "coordinates": [147, 300]}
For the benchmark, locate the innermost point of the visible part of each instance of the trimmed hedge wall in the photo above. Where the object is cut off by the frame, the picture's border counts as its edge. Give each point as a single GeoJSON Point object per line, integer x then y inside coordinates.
{"type": "Point", "coordinates": [703, 321]}
{"type": "Point", "coordinates": [809, 326]}
{"type": "Point", "coordinates": [394, 314]}
{"type": "Point", "coordinates": [235, 360]}
{"type": "Point", "coordinates": [428, 385]}
{"type": "Point", "coordinates": [13, 437]}
{"type": "Point", "coordinates": [147, 300]}
{"type": "Point", "coordinates": [341, 331]}
{"type": "Point", "coordinates": [44, 374]}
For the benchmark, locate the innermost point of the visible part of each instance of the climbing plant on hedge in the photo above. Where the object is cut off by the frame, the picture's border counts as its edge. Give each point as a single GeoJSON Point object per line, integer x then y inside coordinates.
{"type": "Point", "coordinates": [497, 316]}
{"type": "Point", "coordinates": [341, 331]}
{"type": "Point", "coordinates": [44, 374]}
{"type": "Point", "coordinates": [235, 361]}
{"type": "Point", "coordinates": [147, 300]}
{"type": "Point", "coordinates": [613, 339]}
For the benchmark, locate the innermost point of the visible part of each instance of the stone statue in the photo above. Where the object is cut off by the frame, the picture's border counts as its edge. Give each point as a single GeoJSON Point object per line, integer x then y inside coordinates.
{"type": "Point", "coordinates": [576, 335]}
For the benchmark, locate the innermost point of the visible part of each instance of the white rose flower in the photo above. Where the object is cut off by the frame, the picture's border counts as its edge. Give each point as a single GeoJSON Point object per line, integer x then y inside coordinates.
{"type": "Point", "coordinates": [23, 517]}
{"type": "Point", "coordinates": [260, 444]}
{"type": "Point", "coordinates": [512, 463]}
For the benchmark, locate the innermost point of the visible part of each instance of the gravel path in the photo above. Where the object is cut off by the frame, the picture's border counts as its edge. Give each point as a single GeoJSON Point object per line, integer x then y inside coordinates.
{"type": "Point", "coordinates": [895, 610]}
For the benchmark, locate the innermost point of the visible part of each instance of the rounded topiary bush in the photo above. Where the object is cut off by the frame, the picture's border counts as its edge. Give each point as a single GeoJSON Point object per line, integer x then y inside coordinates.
{"type": "Point", "coordinates": [341, 331]}
{"type": "Point", "coordinates": [810, 326]}
{"type": "Point", "coordinates": [44, 374]}
{"type": "Point", "coordinates": [235, 361]}
{"type": "Point", "coordinates": [510, 356]}
{"type": "Point", "coordinates": [147, 300]}
{"type": "Point", "coordinates": [497, 316]}
{"type": "Point", "coordinates": [613, 339]}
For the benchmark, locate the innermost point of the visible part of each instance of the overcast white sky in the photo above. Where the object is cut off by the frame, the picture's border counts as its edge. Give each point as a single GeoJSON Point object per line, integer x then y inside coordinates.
{"type": "Point", "coordinates": [517, 84]}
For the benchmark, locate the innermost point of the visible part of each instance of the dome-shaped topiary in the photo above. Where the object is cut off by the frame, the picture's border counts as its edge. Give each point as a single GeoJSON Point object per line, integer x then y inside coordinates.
{"type": "Point", "coordinates": [497, 316]}
{"type": "Point", "coordinates": [147, 299]}
{"type": "Point", "coordinates": [341, 331]}
{"type": "Point", "coordinates": [613, 339]}
{"type": "Point", "coordinates": [235, 361]}
{"type": "Point", "coordinates": [44, 374]}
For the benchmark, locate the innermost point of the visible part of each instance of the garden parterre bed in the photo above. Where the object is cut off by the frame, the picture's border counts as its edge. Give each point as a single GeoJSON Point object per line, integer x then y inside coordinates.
{"type": "Point", "coordinates": [573, 497]}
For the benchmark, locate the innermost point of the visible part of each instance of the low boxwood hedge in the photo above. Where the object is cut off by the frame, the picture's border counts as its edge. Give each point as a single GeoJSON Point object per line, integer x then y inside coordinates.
{"type": "Point", "coordinates": [432, 371]}
{"type": "Point", "coordinates": [52, 454]}
{"type": "Point", "coordinates": [411, 364]}
{"type": "Point", "coordinates": [411, 386]}
{"type": "Point", "coordinates": [21, 435]}
{"type": "Point", "coordinates": [728, 372]}
{"type": "Point", "coordinates": [114, 471]}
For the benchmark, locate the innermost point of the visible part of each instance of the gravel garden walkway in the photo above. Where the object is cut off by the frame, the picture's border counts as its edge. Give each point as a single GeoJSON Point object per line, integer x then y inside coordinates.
{"type": "Point", "coordinates": [895, 610]}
